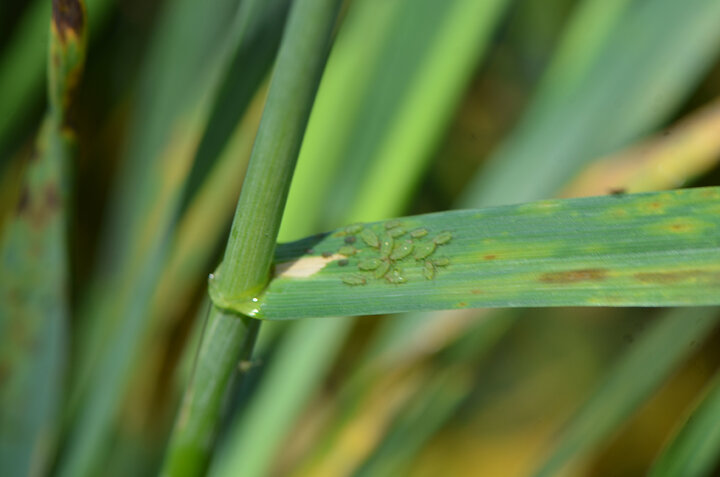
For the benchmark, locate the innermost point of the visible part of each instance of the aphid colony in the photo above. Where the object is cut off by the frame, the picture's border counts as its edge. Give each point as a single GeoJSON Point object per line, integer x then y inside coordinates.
{"type": "Point", "coordinates": [394, 246]}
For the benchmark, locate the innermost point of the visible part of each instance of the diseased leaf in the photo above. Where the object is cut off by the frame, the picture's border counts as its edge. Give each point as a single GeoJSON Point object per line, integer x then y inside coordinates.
{"type": "Point", "coordinates": [657, 249]}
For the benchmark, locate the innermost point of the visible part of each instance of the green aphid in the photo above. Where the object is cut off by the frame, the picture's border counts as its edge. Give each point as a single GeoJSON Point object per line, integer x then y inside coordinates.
{"type": "Point", "coordinates": [392, 224]}
{"type": "Point", "coordinates": [442, 238]}
{"type": "Point", "coordinates": [353, 229]}
{"type": "Point", "coordinates": [441, 262]}
{"type": "Point", "coordinates": [418, 233]}
{"type": "Point", "coordinates": [396, 277]}
{"type": "Point", "coordinates": [347, 250]}
{"type": "Point", "coordinates": [424, 250]}
{"type": "Point", "coordinates": [397, 232]}
{"type": "Point", "coordinates": [429, 270]}
{"type": "Point", "coordinates": [386, 245]}
{"type": "Point", "coordinates": [401, 251]}
{"type": "Point", "coordinates": [370, 264]}
{"type": "Point", "coordinates": [353, 280]}
{"type": "Point", "coordinates": [369, 237]}
{"type": "Point", "coordinates": [382, 269]}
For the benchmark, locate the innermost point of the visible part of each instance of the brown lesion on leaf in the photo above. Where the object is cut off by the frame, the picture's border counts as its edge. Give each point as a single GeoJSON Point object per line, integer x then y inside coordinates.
{"type": "Point", "coordinates": [23, 202]}
{"type": "Point", "coordinates": [575, 276]}
{"type": "Point", "coordinates": [39, 206]}
{"type": "Point", "coordinates": [68, 16]}
{"type": "Point", "coordinates": [668, 278]}
{"type": "Point", "coordinates": [490, 256]}
{"type": "Point", "coordinates": [53, 200]}
{"type": "Point", "coordinates": [680, 227]}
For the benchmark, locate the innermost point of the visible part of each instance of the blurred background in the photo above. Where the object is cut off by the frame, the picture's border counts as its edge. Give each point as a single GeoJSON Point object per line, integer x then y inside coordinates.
{"type": "Point", "coordinates": [425, 105]}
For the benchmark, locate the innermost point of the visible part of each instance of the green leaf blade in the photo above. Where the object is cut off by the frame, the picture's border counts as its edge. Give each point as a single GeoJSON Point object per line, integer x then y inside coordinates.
{"type": "Point", "coordinates": [695, 449]}
{"type": "Point", "coordinates": [658, 249]}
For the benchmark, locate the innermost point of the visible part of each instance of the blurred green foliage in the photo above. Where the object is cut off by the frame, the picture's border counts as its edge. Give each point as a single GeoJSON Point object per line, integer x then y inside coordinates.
{"type": "Point", "coordinates": [425, 105]}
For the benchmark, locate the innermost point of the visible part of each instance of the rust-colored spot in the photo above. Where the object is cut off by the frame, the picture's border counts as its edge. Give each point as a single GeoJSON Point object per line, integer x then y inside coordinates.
{"type": "Point", "coordinates": [490, 256]}
{"type": "Point", "coordinates": [665, 278]}
{"type": "Point", "coordinates": [462, 304]}
{"type": "Point", "coordinates": [52, 197]}
{"type": "Point", "coordinates": [655, 205]}
{"type": "Point", "coordinates": [478, 292]}
{"type": "Point", "coordinates": [5, 372]}
{"type": "Point", "coordinates": [574, 276]}
{"type": "Point", "coordinates": [68, 15]}
{"type": "Point", "coordinates": [679, 227]}
{"type": "Point", "coordinates": [326, 254]}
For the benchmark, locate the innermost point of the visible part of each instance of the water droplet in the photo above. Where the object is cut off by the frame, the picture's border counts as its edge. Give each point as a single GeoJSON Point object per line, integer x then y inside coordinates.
{"type": "Point", "coordinates": [392, 224]}
{"type": "Point", "coordinates": [429, 270]}
{"type": "Point", "coordinates": [382, 269]}
{"type": "Point", "coordinates": [442, 238]}
{"type": "Point", "coordinates": [401, 251]}
{"type": "Point", "coordinates": [370, 264]}
{"type": "Point", "coordinates": [418, 233]}
{"type": "Point", "coordinates": [397, 232]}
{"type": "Point", "coordinates": [424, 250]}
{"type": "Point", "coordinates": [354, 229]}
{"type": "Point", "coordinates": [441, 262]}
{"type": "Point", "coordinates": [350, 239]}
{"type": "Point", "coordinates": [211, 276]}
{"type": "Point", "coordinates": [386, 245]}
{"type": "Point", "coordinates": [369, 237]}
{"type": "Point", "coordinates": [353, 280]}
{"type": "Point", "coordinates": [254, 300]}
{"type": "Point", "coordinates": [347, 250]}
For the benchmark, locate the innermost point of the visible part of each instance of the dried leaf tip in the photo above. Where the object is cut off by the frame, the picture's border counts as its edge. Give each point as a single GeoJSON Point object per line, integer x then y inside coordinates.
{"type": "Point", "coordinates": [68, 17]}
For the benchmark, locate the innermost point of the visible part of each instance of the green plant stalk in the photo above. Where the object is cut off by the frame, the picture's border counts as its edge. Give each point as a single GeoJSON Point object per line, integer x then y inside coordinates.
{"type": "Point", "coordinates": [193, 46]}
{"type": "Point", "coordinates": [34, 271]}
{"type": "Point", "coordinates": [353, 85]}
{"type": "Point", "coordinates": [210, 193]}
{"type": "Point", "coordinates": [695, 449]}
{"type": "Point", "coordinates": [250, 249]}
{"type": "Point", "coordinates": [202, 227]}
